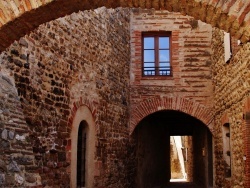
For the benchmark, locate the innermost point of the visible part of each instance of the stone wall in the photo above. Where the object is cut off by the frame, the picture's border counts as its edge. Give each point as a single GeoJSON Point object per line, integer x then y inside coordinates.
{"type": "Point", "coordinates": [17, 162]}
{"type": "Point", "coordinates": [191, 51]}
{"type": "Point", "coordinates": [176, 172]}
{"type": "Point", "coordinates": [66, 62]}
{"type": "Point", "coordinates": [189, 163]}
{"type": "Point", "coordinates": [231, 82]}
{"type": "Point", "coordinates": [83, 59]}
{"type": "Point", "coordinates": [187, 151]}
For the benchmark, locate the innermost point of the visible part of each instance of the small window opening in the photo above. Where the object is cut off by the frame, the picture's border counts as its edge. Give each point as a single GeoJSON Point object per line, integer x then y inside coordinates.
{"type": "Point", "coordinates": [227, 47]}
{"type": "Point", "coordinates": [81, 155]}
{"type": "Point", "coordinates": [226, 150]}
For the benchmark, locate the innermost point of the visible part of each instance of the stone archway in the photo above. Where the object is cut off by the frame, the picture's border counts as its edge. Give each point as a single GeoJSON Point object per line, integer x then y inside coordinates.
{"type": "Point", "coordinates": [151, 105]}
{"type": "Point", "coordinates": [20, 17]}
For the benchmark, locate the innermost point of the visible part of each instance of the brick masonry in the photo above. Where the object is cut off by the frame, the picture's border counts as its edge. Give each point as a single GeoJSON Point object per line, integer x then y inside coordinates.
{"type": "Point", "coordinates": [157, 103]}
{"type": "Point", "coordinates": [190, 88]}
{"type": "Point", "coordinates": [20, 17]}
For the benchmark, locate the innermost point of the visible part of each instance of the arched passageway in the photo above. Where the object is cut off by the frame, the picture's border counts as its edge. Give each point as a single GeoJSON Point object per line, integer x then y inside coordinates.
{"type": "Point", "coordinates": [153, 150]}
{"type": "Point", "coordinates": [21, 17]}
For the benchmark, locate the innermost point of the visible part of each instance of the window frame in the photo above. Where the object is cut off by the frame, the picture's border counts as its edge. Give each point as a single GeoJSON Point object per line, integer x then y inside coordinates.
{"type": "Point", "coordinates": [156, 35]}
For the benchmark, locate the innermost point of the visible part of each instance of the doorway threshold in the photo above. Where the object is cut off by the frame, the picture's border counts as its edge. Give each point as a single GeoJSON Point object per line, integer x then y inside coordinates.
{"type": "Point", "coordinates": [178, 180]}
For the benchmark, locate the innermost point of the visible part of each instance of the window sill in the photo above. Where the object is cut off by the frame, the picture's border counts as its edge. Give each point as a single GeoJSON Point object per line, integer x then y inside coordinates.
{"type": "Point", "coordinates": [157, 78]}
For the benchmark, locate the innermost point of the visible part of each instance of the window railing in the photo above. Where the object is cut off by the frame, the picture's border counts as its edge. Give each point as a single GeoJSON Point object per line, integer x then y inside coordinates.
{"type": "Point", "coordinates": [157, 71]}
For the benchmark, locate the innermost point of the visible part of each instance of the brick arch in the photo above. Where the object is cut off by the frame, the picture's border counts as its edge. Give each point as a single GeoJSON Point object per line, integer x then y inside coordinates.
{"type": "Point", "coordinates": [82, 102]}
{"type": "Point", "coordinates": [152, 105]}
{"type": "Point", "coordinates": [18, 18]}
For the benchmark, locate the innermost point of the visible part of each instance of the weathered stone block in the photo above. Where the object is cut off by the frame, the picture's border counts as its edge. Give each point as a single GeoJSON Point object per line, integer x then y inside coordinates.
{"type": "Point", "coordinates": [10, 180]}
{"type": "Point", "coordinates": [30, 178]}
{"type": "Point", "coordinates": [23, 42]}
{"type": "Point", "coordinates": [61, 156]}
{"type": "Point", "coordinates": [11, 135]}
{"type": "Point", "coordinates": [19, 179]}
{"type": "Point", "coordinates": [18, 62]}
{"type": "Point", "coordinates": [13, 167]}
{"type": "Point", "coordinates": [2, 179]}
{"type": "Point", "coordinates": [4, 134]}
{"type": "Point", "coordinates": [5, 144]}
{"type": "Point", "coordinates": [3, 166]}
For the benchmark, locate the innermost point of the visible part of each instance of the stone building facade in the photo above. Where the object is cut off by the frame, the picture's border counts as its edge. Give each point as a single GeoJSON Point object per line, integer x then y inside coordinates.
{"type": "Point", "coordinates": [230, 106]}
{"type": "Point", "coordinates": [79, 60]}
{"type": "Point", "coordinates": [90, 62]}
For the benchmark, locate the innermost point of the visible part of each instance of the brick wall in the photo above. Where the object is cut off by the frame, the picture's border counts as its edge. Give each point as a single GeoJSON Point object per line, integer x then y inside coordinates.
{"type": "Point", "coordinates": [81, 59]}
{"type": "Point", "coordinates": [191, 83]}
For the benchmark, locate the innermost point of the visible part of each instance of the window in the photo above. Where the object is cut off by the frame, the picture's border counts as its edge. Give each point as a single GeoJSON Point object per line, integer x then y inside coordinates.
{"type": "Point", "coordinates": [227, 149]}
{"type": "Point", "coordinates": [81, 154]}
{"type": "Point", "coordinates": [156, 54]}
{"type": "Point", "coordinates": [227, 47]}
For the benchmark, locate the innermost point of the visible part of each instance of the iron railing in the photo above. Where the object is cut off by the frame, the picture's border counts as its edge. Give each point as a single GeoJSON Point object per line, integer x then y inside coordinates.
{"type": "Point", "coordinates": [157, 71]}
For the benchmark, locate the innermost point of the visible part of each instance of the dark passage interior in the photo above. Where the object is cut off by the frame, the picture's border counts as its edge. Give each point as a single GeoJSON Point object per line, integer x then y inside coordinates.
{"type": "Point", "coordinates": [153, 150]}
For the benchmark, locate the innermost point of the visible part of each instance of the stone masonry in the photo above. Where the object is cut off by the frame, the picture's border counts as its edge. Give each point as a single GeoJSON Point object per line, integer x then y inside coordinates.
{"type": "Point", "coordinates": [17, 162]}
{"type": "Point", "coordinates": [93, 58]}
{"type": "Point", "coordinates": [76, 60]}
{"type": "Point", "coordinates": [231, 92]}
